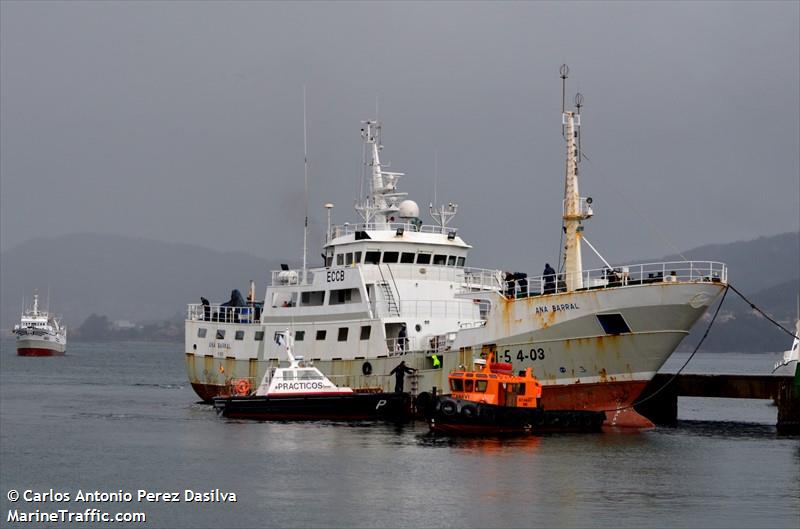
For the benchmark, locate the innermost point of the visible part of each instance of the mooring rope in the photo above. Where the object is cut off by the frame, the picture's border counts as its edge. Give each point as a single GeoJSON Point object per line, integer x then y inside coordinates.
{"type": "Point", "coordinates": [752, 306]}
{"type": "Point", "coordinates": [673, 377]}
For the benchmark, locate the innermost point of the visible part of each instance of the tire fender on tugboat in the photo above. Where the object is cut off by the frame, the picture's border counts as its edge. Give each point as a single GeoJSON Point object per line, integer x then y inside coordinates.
{"type": "Point", "coordinates": [469, 411]}
{"type": "Point", "coordinates": [448, 407]}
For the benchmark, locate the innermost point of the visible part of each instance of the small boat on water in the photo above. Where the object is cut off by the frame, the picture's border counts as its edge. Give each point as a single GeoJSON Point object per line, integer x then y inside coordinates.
{"type": "Point", "coordinates": [492, 400]}
{"type": "Point", "coordinates": [787, 365]}
{"type": "Point", "coordinates": [40, 333]}
{"type": "Point", "coordinates": [303, 392]}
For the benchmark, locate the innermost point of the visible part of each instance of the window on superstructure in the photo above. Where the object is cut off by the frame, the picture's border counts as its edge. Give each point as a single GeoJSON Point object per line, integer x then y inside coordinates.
{"type": "Point", "coordinates": [424, 258]}
{"type": "Point", "coordinates": [239, 335]}
{"type": "Point", "coordinates": [480, 385]}
{"type": "Point", "coordinates": [468, 385]}
{"type": "Point", "coordinates": [321, 334]}
{"type": "Point", "coordinates": [461, 261]}
{"type": "Point", "coordinates": [372, 258]}
{"type": "Point", "coordinates": [299, 336]}
{"type": "Point", "coordinates": [451, 260]}
{"type": "Point", "coordinates": [339, 259]}
{"type": "Point", "coordinates": [312, 298]}
{"type": "Point", "coordinates": [357, 256]}
{"type": "Point", "coordinates": [456, 384]}
{"type": "Point", "coordinates": [344, 295]}
{"type": "Point", "coordinates": [407, 257]}
{"type": "Point", "coordinates": [259, 337]}
{"type": "Point", "coordinates": [220, 334]}
{"type": "Point", "coordinates": [343, 331]}
{"type": "Point", "coordinates": [201, 333]}
{"type": "Point", "coordinates": [439, 259]}
{"type": "Point", "coordinates": [348, 258]}
{"type": "Point", "coordinates": [366, 331]}
{"type": "Point", "coordinates": [390, 257]}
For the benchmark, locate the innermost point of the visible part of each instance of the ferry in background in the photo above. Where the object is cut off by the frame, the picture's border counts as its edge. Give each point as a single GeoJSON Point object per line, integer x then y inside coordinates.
{"type": "Point", "coordinates": [39, 333]}
{"type": "Point", "coordinates": [393, 289]}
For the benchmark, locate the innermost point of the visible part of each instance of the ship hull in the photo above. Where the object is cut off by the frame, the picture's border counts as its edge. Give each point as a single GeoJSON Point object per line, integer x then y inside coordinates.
{"type": "Point", "coordinates": [455, 416]}
{"type": "Point", "coordinates": [38, 346]}
{"type": "Point", "coordinates": [348, 407]}
{"type": "Point", "coordinates": [581, 364]}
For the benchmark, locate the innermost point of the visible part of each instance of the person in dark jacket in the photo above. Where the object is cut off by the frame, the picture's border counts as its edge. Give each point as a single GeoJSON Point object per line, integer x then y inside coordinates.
{"type": "Point", "coordinates": [399, 373]}
{"type": "Point", "coordinates": [549, 279]}
{"type": "Point", "coordinates": [206, 309]}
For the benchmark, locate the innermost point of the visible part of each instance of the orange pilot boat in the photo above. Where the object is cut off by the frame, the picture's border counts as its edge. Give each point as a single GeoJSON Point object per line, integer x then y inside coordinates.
{"type": "Point", "coordinates": [491, 399]}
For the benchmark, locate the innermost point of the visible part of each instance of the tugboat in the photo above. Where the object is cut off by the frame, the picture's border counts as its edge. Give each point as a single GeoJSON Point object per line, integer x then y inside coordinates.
{"type": "Point", "coordinates": [492, 400]}
{"type": "Point", "coordinates": [302, 392]}
{"type": "Point", "coordinates": [39, 333]}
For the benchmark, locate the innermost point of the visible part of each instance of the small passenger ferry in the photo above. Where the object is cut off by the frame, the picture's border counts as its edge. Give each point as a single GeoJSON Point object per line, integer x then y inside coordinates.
{"type": "Point", "coordinates": [302, 392]}
{"type": "Point", "coordinates": [40, 333]}
{"type": "Point", "coordinates": [492, 400]}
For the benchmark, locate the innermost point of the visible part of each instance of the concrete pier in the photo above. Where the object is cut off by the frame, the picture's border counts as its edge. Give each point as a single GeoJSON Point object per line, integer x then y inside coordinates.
{"type": "Point", "coordinates": [782, 389]}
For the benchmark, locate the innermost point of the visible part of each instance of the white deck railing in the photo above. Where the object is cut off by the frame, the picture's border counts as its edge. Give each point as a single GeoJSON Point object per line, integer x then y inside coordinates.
{"type": "Point", "coordinates": [600, 278]}
{"type": "Point", "coordinates": [220, 313]}
{"type": "Point", "coordinates": [347, 229]}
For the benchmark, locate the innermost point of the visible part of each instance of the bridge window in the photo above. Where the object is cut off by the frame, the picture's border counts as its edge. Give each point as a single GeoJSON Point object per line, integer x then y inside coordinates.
{"type": "Point", "coordinates": [259, 336]}
{"type": "Point", "coordinates": [468, 385]}
{"type": "Point", "coordinates": [348, 258]}
{"type": "Point", "coordinates": [366, 331]}
{"type": "Point", "coordinates": [201, 333]}
{"type": "Point", "coordinates": [343, 334]}
{"type": "Point", "coordinates": [451, 261]}
{"type": "Point", "coordinates": [239, 335]}
{"type": "Point", "coordinates": [439, 259]}
{"type": "Point", "coordinates": [613, 323]}
{"type": "Point", "coordinates": [299, 336]}
{"type": "Point", "coordinates": [407, 257]}
{"type": "Point", "coordinates": [344, 295]}
{"type": "Point", "coordinates": [461, 261]}
{"type": "Point", "coordinates": [480, 385]}
{"type": "Point", "coordinates": [321, 334]}
{"type": "Point", "coordinates": [312, 298]}
{"type": "Point", "coordinates": [456, 384]}
{"type": "Point", "coordinates": [357, 257]}
{"type": "Point", "coordinates": [372, 258]}
{"type": "Point", "coordinates": [339, 259]}
{"type": "Point", "coordinates": [390, 257]}
{"type": "Point", "coordinates": [424, 258]}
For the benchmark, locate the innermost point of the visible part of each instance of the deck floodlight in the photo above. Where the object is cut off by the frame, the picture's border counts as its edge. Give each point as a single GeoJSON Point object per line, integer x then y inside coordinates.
{"type": "Point", "coordinates": [451, 235]}
{"type": "Point", "coordinates": [399, 232]}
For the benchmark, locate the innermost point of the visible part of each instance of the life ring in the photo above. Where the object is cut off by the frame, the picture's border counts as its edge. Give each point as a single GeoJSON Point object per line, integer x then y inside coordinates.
{"type": "Point", "coordinates": [366, 368]}
{"type": "Point", "coordinates": [242, 387]}
{"type": "Point", "coordinates": [448, 407]}
{"type": "Point", "coordinates": [469, 411]}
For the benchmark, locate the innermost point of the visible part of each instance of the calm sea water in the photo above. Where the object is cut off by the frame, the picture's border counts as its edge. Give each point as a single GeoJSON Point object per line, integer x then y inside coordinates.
{"type": "Point", "coordinates": [112, 417]}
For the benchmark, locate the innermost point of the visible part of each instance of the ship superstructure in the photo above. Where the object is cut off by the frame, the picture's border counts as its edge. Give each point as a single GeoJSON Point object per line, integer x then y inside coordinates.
{"type": "Point", "coordinates": [393, 288]}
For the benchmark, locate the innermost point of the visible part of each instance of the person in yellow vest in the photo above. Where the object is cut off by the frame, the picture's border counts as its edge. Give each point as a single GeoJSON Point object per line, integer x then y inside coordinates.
{"type": "Point", "coordinates": [436, 362]}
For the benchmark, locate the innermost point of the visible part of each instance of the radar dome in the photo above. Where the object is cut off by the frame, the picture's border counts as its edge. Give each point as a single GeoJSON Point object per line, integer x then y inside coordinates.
{"type": "Point", "coordinates": [408, 209]}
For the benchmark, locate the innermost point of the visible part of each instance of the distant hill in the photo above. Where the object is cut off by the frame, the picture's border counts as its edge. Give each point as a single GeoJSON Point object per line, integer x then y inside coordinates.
{"type": "Point", "coordinates": [753, 265]}
{"type": "Point", "coordinates": [123, 278]}
{"type": "Point", "coordinates": [767, 271]}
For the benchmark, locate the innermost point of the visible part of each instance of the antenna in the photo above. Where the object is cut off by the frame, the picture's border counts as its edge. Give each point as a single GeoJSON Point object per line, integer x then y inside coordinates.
{"type": "Point", "coordinates": [305, 164]}
{"type": "Point", "coordinates": [578, 105]}
{"type": "Point", "coordinates": [435, 175]}
{"type": "Point", "coordinates": [564, 71]}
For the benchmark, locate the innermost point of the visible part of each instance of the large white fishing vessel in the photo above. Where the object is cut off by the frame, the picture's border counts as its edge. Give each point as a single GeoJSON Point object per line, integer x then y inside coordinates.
{"type": "Point", "coordinates": [394, 289]}
{"type": "Point", "coordinates": [39, 333]}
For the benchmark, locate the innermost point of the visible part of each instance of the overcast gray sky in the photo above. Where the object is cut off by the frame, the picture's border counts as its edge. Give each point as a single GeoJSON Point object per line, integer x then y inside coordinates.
{"type": "Point", "coordinates": [183, 121]}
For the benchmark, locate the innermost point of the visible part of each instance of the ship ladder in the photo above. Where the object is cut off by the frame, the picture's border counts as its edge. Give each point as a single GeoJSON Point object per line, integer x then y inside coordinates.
{"type": "Point", "coordinates": [391, 304]}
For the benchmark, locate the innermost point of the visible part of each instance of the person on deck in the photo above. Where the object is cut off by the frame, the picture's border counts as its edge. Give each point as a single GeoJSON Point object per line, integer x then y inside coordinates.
{"type": "Point", "coordinates": [399, 373]}
{"type": "Point", "coordinates": [402, 338]}
{"type": "Point", "coordinates": [549, 279]}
